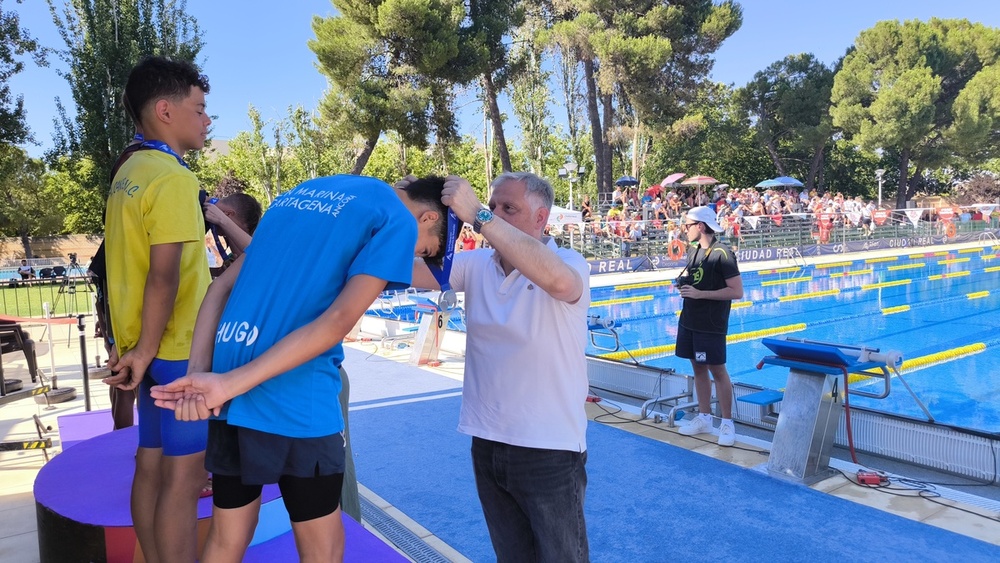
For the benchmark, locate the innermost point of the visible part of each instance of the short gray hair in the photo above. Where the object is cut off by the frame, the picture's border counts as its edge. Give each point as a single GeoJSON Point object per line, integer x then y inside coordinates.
{"type": "Point", "coordinates": [534, 185]}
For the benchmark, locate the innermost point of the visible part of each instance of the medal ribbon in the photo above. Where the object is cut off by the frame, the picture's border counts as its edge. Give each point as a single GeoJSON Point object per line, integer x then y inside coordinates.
{"type": "Point", "coordinates": [443, 273]}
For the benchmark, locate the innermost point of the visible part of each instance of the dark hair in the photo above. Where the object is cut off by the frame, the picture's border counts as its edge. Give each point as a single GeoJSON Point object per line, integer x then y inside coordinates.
{"type": "Point", "coordinates": [427, 190]}
{"type": "Point", "coordinates": [159, 77]}
{"type": "Point", "coordinates": [247, 208]}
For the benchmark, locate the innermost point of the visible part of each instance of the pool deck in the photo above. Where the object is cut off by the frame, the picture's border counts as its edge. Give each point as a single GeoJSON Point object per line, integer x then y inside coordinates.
{"type": "Point", "coordinates": [18, 535]}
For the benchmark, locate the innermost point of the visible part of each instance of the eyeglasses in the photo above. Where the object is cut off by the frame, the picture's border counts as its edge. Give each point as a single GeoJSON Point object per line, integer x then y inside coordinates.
{"type": "Point", "coordinates": [691, 224]}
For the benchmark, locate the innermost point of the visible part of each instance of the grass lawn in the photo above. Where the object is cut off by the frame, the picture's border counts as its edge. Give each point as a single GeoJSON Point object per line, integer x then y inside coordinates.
{"type": "Point", "coordinates": [66, 299]}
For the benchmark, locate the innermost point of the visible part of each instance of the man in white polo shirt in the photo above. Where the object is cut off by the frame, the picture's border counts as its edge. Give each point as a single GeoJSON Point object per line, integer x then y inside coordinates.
{"type": "Point", "coordinates": [526, 303]}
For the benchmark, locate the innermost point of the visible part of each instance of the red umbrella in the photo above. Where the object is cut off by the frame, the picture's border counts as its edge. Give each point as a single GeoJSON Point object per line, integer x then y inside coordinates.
{"type": "Point", "coordinates": [671, 179]}
{"type": "Point", "coordinates": [699, 181]}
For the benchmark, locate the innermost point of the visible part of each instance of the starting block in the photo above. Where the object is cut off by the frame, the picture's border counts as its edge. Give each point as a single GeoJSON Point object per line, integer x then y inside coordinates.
{"type": "Point", "coordinates": [430, 331]}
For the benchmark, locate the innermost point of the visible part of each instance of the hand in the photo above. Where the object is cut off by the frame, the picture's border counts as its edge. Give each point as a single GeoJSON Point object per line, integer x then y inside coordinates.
{"type": "Point", "coordinates": [213, 214]}
{"type": "Point", "coordinates": [690, 292]}
{"type": "Point", "coordinates": [131, 369]}
{"type": "Point", "coordinates": [402, 183]}
{"type": "Point", "coordinates": [196, 396]}
{"type": "Point", "coordinates": [461, 198]}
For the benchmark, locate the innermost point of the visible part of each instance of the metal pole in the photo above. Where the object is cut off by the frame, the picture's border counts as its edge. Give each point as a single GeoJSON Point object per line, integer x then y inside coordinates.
{"type": "Point", "coordinates": [83, 361]}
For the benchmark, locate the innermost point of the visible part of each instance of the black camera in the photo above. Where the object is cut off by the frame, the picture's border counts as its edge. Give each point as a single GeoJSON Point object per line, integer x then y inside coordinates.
{"type": "Point", "coordinates": [72, 257]}
{"type": "Point", "coordinates": [684, 279]}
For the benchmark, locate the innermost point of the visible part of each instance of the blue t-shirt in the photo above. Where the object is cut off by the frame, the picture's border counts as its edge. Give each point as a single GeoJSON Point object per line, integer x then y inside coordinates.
{"type": "Point", "coordinates": [327, 230]}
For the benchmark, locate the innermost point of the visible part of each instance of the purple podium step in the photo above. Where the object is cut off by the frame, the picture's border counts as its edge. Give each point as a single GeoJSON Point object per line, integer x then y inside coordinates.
{"type": "Point", "coordinates": [82, 505]}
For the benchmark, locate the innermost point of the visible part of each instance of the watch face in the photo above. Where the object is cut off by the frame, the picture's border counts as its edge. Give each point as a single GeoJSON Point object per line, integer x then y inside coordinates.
{"type": "Point", "coordinates": [484, 215]}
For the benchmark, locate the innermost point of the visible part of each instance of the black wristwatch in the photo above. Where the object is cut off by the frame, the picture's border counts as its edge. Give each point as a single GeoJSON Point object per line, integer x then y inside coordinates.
{"type": "Point", "coordinates": [483, 216]}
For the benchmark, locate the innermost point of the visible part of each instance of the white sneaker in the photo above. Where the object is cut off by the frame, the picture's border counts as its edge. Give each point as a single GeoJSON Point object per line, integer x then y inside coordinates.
{"type": "Point", "coordinates": [727, 434]}
{"type": "Point", "coordinates": [697, 425]}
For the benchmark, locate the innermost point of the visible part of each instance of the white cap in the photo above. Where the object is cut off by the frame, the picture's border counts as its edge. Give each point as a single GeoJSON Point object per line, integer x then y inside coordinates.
{"type": "Point", "coordinates": [705, 215]}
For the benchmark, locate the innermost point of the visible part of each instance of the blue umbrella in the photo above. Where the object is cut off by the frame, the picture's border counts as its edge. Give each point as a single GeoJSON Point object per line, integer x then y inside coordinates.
{"type": "Point", "coordinates": [788, 181]}
{"type": "Point", "coordinates": [769, 184]}
{"type": "Point", "coordinates": [626, 181]}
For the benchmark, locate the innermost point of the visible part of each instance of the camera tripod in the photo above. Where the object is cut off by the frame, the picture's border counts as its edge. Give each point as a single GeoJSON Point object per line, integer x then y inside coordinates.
{"type": "Point", "coordinates": [74, 272]}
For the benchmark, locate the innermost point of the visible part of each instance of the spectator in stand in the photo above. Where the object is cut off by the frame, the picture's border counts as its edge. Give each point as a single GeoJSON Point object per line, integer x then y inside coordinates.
{"type": "Point", "coordinates": [585, 209]}
{"type": "Point", "coordinates": [468, 238]}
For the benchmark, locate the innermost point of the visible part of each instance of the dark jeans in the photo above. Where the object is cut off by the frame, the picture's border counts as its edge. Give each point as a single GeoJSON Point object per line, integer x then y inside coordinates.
{"type": "Point", "coordinates": [533, 501]}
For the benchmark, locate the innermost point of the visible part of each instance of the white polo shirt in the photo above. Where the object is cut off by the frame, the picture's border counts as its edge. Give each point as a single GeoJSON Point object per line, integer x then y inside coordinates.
{"type": "Point", "coordinates": [525, 364]}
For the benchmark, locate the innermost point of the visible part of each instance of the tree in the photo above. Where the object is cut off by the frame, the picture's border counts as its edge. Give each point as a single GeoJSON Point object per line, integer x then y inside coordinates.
{"type": "Point", "coordinates": [25, 211]}
{"type": "Point", "coordinates": [104, 39]}
{"type": "Point", "coordinates": [789, 104]}
{"type": "Point", "coordinates": [530, 100]}
{"type": "Point", "coordinates": [488, 56]}
{"type": "Point", "coordinates": [915, 87]}
{"type": "Point", "coordinates": [14, 43]}
{"type": "Point", "coordinates": [714, 136]}
{"type": "Point", "coordinates": [652, 55]}
{"type": "Point", "coordinates": [385, 62]}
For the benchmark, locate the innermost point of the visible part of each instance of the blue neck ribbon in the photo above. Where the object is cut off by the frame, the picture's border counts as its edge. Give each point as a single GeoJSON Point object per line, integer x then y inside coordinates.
{"type": "Point", "coordinates": [159, 146]}
{"type": "Point", "coordinates": [443, 273]}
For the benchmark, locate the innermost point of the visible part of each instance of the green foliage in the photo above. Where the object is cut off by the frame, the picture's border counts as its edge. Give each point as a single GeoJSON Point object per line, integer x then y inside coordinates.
{"type": "Point", "coordinates": [713, 139]}
{"type": "Point", "coordinates": [82, 208]}
{"type": "Point", "coordinates": [25, 209]}
{"type": "Point", "coordinates": [788, 103]}
{"type": "Point", "coordinates": [922, 88]}
{"type": "Point", "coordinates": [387, 63]}
{"type": "Point", "coordinates": [14, 44]}
{"type": "Point", "coordinates": [104, 39]}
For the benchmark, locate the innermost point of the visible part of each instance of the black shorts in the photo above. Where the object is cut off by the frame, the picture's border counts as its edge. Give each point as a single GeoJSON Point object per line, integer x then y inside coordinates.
{"type": "Point", "coordinates": [701, 347]}
{"type": "Point", "coordinates": [260, 458]}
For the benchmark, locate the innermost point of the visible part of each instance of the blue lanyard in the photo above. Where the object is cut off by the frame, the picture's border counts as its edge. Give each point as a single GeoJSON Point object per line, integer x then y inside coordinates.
{"type": "Point", "coordinates": [159, 146]}
{"type": "Point", "coordinates": [443, 274]}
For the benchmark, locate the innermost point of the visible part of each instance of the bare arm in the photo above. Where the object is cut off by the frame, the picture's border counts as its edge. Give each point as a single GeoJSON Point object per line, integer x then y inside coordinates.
{"type": "Point", "coordinates": [203, 340]}
{"type": "Point", "coordinates": [237, 238]}
{"type": "Point", "coordinates": [528, 255]}
{"type": "Point", "coordinates": [158, 296]}
{"type": "Point", "coordinates": [196, 395]}
{"type": "Point", "coordinates": [534, 260]}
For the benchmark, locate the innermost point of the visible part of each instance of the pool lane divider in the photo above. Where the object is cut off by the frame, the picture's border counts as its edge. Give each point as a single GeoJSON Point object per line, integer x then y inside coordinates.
{"type": "Point", "coordinates": [622, 300]}
{"type": "Point", "coordinates": [969, 250]}
{"type": "Point", "coordinates": [785, 282]}
{"type": "Point", "coordinates": [894, 310]}
{"type": "Point", "coordinates": [667, 349]}
{"type": "Point", "coordinates": [642, 285]}
{"type": "Point", "coordinates": [780, 270]}
{"type": "Point", "coordinates": [882, 259]}
{"type": "Point", "coordinates": [810, 295]}
{"type": "Point", "coordinates": [950, 275]}
{"type": "Point", "coordinates": [978, 295]}
{"type": "Point", "coordinates": [833, 265]}
{"type": "Point", "coordinates": [928, 254]}
{"type": "Point", "coordinates": [881, 285]}
{"type": "Point", "coordinates": [953, 261]}
{"type": "Point", "coordinates": [992, 269]}
{"type": "Point", "coordinates": [853, 273]}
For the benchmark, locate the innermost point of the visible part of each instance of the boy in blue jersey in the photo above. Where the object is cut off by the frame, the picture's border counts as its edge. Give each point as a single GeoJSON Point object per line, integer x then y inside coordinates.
{"type": "Point", "coordinates": [265, 356]}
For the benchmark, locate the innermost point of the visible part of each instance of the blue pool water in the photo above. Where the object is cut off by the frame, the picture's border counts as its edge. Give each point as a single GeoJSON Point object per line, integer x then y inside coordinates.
{"type": "Point", "coordinates": [939, 306]}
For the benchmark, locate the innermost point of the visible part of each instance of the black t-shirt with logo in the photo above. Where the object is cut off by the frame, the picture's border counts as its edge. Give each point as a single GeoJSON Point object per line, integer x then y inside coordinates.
{"type": "Point", "coordinates": [709, 269]}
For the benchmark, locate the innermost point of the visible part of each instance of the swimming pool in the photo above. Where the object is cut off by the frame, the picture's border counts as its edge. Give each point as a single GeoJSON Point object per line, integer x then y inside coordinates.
{"type": "Point", "coordinates": [940, 309]}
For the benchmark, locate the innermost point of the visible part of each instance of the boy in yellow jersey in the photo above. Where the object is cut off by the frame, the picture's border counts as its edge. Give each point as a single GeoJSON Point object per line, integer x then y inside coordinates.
{"type": "Point", "coordinates": [153, 232]}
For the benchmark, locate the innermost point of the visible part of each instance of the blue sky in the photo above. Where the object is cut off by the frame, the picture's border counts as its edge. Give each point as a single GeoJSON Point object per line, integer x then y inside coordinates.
{"type": "Point", "coordinates": [256, 51]}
